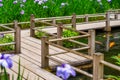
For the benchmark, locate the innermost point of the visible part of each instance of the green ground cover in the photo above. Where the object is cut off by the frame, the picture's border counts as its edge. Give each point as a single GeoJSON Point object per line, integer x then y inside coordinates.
{"type": "Point", "coordinates": [6, 39]}
{"type": "Point", "coordinates": [9, 10]}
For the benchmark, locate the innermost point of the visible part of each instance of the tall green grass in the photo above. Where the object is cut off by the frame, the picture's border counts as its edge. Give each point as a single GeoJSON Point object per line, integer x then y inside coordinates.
{"type": "Point", "coordinates": [10, 11]}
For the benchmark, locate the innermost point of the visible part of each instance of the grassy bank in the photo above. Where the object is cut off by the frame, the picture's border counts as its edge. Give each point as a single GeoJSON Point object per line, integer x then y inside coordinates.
{"type": "Point", "coordinates": [10, 11]}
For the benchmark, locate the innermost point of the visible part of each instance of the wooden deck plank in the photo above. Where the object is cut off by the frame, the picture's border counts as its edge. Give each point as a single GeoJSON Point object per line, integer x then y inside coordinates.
{"type": "Point", "coordinates": [54, 48]}
{"type": "Point", "coordinates": [87, 26]}
{"type": "Point", "coordinates": [35, 69]}
{"type": "Point", "coordinates": [36, 58]}
{"type": "Point", "coordinates": [62, 56]}
{"type": "Point", "coordinates": [13, 73]}
{"type": "Point", "coordinates": [39, 51]}
{"type": "Point", "coordinates": [28, 73]}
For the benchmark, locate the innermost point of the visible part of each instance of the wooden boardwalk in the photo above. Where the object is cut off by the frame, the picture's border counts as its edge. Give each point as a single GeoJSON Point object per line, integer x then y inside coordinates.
{"type": "Point", "coordinates": [30, 59]}
{"type": "Point", "coordinates": [87, 26]}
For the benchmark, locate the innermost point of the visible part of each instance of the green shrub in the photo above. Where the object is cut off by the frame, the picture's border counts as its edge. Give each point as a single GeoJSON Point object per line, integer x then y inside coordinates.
{"type": "Point", "coordinates": [39, 34]}
{"type": "Point", "coordinates": [10, 11]}
{"type": "Point", "coordinates": [6, 39]}
{"type": "Point", "coordinates": [114, 77]}
{"type": "Point", "coordinates": [69, 33]}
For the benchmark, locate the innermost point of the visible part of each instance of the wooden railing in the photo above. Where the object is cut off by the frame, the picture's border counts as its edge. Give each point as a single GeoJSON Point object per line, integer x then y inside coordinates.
{"type": "Point", "coordinates": [97, 58]}
{"type": "Point", "coordinates": [52, 22]}
{"type": "Point", "coordinates": [17, 37]}
{"type": "Point", "coordinates": [98, 66]}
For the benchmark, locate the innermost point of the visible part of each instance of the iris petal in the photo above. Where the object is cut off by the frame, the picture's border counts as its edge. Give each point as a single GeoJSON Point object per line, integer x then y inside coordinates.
{"type": "Point", "coordinates": [73, 73]}
{"type": "Point", "coordinates": [7, 56]}
{"type": "Point", "coordinates": [64, 71]}
{"type": "Point", "coordinates": [1, 61]}
{"type": "Point", "coordinates": [66, 75]}
{"type": "Point", "coordinates": [5, 60]}
{"type": "Point", "coordinates": [9, 62]}
{"type": "Point", "coordinates": [5, 64]}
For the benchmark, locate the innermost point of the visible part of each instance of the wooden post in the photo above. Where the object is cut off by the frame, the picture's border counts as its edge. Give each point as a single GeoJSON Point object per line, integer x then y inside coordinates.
{"type": "Point", "coordinates": [116, 16]}
{"type": "Point", "coordinates": [59, 33]}
{"type": "Point", "coordinates": [107, 29]}
{"type": "Point", "coordinates": [74, 21]}
{"type": "Point", "coordinates": [44, 52]}
{"type": "Point", "coordinates": [53, 21]}
{"type": "Point", "coordinates": [91, 42]}
{"type": "Point", "coordinates": [17, 37]}
{"type": "Point", "coordinates": [86, 18]}
{"type": "Point", "coordinates": [32, 25]}
{"type": "Point", "coordinates": [98, 68]}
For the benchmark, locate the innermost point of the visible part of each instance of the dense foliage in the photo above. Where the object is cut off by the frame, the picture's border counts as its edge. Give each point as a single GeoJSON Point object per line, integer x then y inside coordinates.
{"type": "Point", "coordinates": [6, 39]}
{"type": "Point", "coordinates": [22, 9]}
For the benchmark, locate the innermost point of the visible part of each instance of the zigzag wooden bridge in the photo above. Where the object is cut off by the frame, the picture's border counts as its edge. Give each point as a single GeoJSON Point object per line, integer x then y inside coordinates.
{"type": "Point", "coordinates": [36, 54]}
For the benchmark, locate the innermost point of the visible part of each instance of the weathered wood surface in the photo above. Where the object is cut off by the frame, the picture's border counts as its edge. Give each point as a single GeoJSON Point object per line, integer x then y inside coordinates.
{"type": "Point", "coordinates": [30, 58]}
{"type": "Point", "coordinates": [87, 26]}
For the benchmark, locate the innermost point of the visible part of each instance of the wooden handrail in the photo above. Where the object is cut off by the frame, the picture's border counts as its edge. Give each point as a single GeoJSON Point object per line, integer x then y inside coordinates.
{"type": "Point", "coordinates": [48, 23]}
{"type": "Point", "coordinates": [69, 17]}
{"type": "Point", "coordinates": [83, 48]}
{"type": "Point", "coordinates": [6, 27]}
{"type": "Point", "coordinates": [68, 38]}
{"type": "Point", "coordinates": [6, 32]}
{"type": "Point", "coordinates": [5, 44]}
{"type": "Point", "coordinates": [69, 50]}
{"type": "Point", "coordinates": [110, 65]}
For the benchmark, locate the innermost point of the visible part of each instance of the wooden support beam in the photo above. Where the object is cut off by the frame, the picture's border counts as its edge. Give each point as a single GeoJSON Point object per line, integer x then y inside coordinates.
{"type": "Point", "coordinates": [116, 16]}
{"type": "Point", "coordinates": [107, 41]}
{"type": "Point", "coordinates": [74, 21]}
{"type": "Point", "coordinates": [54, 21]}
{"type": "Point", "coordinates": [17, 37]}
{"type": "Point", "coordinates": [97, 66]}
{"type": "Point", "coordinates": [32, 25]}
{"type": "Point", "coordinates": [44, 52]}
{"type": "Point", "coordinates": [86, 18]}
{"type": "Point", "coordinates": [91, 42]}
{"type": "Point", "coordinates": [59, 33]}
{"type": "Point", "coordinates": [107, 29]}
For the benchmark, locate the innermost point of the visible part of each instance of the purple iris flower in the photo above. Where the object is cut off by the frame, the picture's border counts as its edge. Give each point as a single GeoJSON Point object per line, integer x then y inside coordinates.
{"type": "Point", "coordinates": [1, 35]}
{"type": "Point", "coordinates": [36, 1]}
{"type": "Point", "coordinates": [45, 0]}
{"type": "Point", "coordinates": [5, 60]}
{"type": "Point", "coordinates": [22, 12]}
{"type": "Point", "coordinates": [1, 4]}
{"type": "Point", "coordinates": [109, 0]}
{"type": "Point", "coordinates": [24, 1]}
{"type": "Point", "coordinates": [15, 2]}
{"type": "Point", "coordinates": [64, 71]}
{"type": "Point", "coordinates": [0, 0]}
{"type": "Point", "coordinates": [98, 0]}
